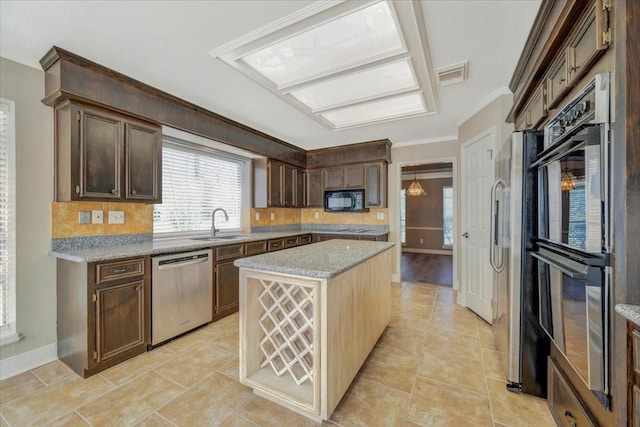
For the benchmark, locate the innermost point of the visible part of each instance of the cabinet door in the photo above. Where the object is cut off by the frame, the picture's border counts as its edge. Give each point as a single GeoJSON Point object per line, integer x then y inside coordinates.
{"type": "Point", "coordinates": [586, 43]}
{"type": "Point", "coordinates": [143, 179]}
{"type": "Point", "coordinates": [376, 185]}
{"type": "Point", "coordinates": [354, 176]}
{"type": "Point", "coordinates": [289, 185]}
{"type": "Point", "coordinates": [315, 188]}
{"type": "Point", "coordinates": [333, 179]}
{"type": "Point", "coordinates": [275, 175]}
{"type": "Point", "coordinates": [227, 282]}
{"type": "Point", "coordinates": [100, 155]}
{"type": "Point", "coordinates": [301, 188]}
{"type": "Point", "coordinates": [119, 320]}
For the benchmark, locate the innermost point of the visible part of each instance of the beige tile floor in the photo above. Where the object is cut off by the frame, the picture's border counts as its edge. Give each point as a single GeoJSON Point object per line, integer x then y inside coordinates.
{"type": "Point", "coordinates": [435, 365]}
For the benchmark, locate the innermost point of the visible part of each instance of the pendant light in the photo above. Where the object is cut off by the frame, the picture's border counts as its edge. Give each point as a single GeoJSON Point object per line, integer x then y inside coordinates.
{"type": "Point", "coordinates": [415, 189]}
{"type": "Point", "coordinates": [566, 182]}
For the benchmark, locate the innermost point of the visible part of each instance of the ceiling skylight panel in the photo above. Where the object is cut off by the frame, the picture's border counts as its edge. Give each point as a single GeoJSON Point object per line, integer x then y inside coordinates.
{"type": "Point", "coordinates": [370, 83]}
{"type": "Point", "coordinates": [360, 37]}
{"type": "Point", "coordinates": [384, 109]}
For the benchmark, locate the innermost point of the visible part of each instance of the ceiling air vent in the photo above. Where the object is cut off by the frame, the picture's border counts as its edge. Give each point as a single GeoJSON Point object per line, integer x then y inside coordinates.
{"type": "Point", "coordinates": [451, 74]}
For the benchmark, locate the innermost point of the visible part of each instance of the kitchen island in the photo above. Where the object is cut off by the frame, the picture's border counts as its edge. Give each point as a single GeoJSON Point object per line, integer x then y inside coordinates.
{"type": "Point", "coordinates": [309, 316]}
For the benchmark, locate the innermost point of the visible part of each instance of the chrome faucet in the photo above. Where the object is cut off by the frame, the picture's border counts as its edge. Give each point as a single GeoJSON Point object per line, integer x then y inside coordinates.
{"type": "Point", "coordinates": [213, 221]}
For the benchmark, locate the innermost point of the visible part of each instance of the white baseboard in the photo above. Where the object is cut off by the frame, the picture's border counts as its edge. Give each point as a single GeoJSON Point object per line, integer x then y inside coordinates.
{"type": "Point", "coordinates": [428, 251]}
{"type": "Point", "coordinates": [26, 361]}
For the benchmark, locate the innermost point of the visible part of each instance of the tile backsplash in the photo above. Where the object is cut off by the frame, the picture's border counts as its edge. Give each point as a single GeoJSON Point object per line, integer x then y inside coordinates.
{"type": "Point", "coordinates": [138, 218]}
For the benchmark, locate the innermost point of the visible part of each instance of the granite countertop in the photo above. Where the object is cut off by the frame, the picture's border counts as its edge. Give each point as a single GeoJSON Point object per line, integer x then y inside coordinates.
{"type": "Point", "coordinates": [629, 312]}
{"type": "Point", "coordinates": [320, 260]}
{"type": "Point", "coordinates": [79, 251]}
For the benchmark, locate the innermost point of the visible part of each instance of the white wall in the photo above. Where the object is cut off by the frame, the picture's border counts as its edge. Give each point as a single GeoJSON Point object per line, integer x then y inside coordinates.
{"type": "Point", "coordinates": [36, 270]}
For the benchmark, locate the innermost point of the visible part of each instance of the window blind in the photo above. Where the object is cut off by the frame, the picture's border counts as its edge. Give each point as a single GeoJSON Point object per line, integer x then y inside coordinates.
{"type": "Point", "coordinates": [7, 219]}
{"type": "Point", "coordinates": [194, 183]}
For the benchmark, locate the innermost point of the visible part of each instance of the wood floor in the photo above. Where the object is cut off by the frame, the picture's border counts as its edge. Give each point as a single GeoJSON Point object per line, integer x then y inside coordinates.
{"type": "Point", "coordinates": [427, 268]}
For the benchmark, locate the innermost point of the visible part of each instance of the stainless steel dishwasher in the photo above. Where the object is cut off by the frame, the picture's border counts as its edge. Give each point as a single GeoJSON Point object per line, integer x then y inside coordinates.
{"type": "Point", "coordinates": [181, 293]}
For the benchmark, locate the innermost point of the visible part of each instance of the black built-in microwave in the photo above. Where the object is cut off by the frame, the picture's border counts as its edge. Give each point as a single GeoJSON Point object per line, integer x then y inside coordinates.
{"type": "Point", "coordinates": [344, 201]}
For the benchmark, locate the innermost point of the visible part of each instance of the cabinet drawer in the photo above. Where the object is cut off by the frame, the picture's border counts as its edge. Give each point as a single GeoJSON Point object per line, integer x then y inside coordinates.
{"type": "Point", "coordinates": [305, 240]}
{"type": "Point", "coordinates": [106, 272]}
{"type": "Point", "coordinates": [564, 404]}
{"type": "Point", "coordinates": [228, 252]}
{"type": "Point", "coordinates": [275, 245]}
{"type": "Point", "coordinates": [290, 242]}
{"type": "Point", "coordinates": [255, 248]}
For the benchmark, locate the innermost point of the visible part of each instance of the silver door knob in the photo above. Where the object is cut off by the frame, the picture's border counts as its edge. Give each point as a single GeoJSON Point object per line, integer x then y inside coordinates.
{"type": "Point", "coordinates": [465, 235]}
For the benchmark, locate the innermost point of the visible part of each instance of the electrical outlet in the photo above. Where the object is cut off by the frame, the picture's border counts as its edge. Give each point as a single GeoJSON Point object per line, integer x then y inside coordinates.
{"type": "Point", "coordinates": [272, 216]}
{"type": "Point", "coordinates": [316, 215]}
{"type": "Point", "coordinates": [380, 215]}
{"type": "Point", "coordinates": [421, 241]}
{"type": "Point", "coordinates": [97, 217]}
{"type": "Point", "coordinates": [84, 217]}
{"type": "Point", "coordinates": [116, 217]}
{"type": "Point", "coordinates": [257, 216]}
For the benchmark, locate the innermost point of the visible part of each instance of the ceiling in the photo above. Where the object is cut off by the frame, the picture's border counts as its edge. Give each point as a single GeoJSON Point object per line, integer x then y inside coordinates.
{"type": "Point", "coordinates": [165, 44]}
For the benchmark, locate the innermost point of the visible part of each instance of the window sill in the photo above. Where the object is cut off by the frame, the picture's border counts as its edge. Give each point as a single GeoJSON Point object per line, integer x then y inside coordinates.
{"type": "Point", "coordinates": [9, 339]}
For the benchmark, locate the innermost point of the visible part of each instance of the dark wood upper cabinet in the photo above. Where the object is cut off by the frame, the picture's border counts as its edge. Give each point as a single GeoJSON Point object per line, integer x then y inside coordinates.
{"type": "Point", "coordinates": [289, 186]}
{"type": "Point", "coordinates": [99, 148]}
{"type": "Point", "coordinates": [334, 178]}
{"type": "Point", "coordinates": [301, 189]}
{"type": "Point", "coordinates": [376, 185]}
{"type": "Point", "coordinates": [315, 188]}
{"type": "Point", "coordinates": [354, 176]}
{"type": "Point", "coordinates": [143, 161]}
{"type": "Point", "coordinates": [102, 155]}
{"type": "Point", "coordinates": [277, 184]}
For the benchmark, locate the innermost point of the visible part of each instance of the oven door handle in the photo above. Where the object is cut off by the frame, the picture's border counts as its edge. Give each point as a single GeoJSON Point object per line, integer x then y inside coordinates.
{"type": "Point", "coordinates": [557, 263]}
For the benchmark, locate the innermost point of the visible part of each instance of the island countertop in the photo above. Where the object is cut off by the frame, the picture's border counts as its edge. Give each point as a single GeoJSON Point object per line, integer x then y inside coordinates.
{"type": "Point", "coordinates": [322, 260]}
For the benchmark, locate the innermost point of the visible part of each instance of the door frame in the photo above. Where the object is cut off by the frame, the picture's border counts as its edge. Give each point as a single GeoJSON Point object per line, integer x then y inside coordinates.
{"type": "Point", "coordinates": [493, 131]}
{"type": "Point", "coordinates": [454, 184]}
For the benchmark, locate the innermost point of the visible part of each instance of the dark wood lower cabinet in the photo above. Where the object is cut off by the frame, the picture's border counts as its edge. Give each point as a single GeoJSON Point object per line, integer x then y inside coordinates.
{"type": "Point", "coordinates": [103, 312]}
{"type": "Point", "coordinates": [226, 289]}
{"type": "Point", "coordinates": [119, 319]}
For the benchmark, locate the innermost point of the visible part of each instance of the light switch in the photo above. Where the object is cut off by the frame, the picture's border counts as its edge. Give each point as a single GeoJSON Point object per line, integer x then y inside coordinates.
{"type": "Point", "coordinates": [97, 217]}
{"type": "Point", "coordinates": [317, 215]}
{"type": "Point", "coordinates": [380, 215]}
{"type": "Point", "coordinates": [84, 217]}
{"type": "Point", "coordinates": [257, 216]}
{"type": "Point", "coordinates": [272, 216]}
{"type": "Point", "coordinates": [116, 217]}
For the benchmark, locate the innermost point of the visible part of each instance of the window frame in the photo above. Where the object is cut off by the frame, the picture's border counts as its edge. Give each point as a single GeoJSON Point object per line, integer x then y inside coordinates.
{"type": "Point", "coordinates": [211, 150]}
{"type": "Point", "coordinates": [444, 229]}
{"type": "Point", "coordinates": [8, 331]}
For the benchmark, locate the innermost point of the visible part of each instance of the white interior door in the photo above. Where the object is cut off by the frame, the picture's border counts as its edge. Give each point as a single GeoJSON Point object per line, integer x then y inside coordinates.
{"type": "Point", "coordinates": [477, 176]}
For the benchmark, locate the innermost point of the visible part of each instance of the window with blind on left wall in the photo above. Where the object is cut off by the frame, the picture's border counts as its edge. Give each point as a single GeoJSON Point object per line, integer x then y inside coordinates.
{"type": "Point", "coordinates": [195, 181]}
{"type": "Point", "coordinates": [8, 332]}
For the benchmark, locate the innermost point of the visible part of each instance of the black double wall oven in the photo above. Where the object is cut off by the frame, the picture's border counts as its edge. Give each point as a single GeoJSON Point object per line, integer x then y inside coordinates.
{"type": "Point", "coordinates": [573, 234]}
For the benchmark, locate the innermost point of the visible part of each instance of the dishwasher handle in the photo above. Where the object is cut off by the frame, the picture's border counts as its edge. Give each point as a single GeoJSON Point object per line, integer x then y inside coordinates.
{"type": "Point", "coordinates": [182, 261]}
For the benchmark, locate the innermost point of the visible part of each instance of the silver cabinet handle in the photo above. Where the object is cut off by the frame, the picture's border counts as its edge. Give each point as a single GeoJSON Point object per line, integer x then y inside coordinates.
{"type": "Point", "coordinates": [114, 191]}
{"type": "Point", "coordinates": [134, 192]}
